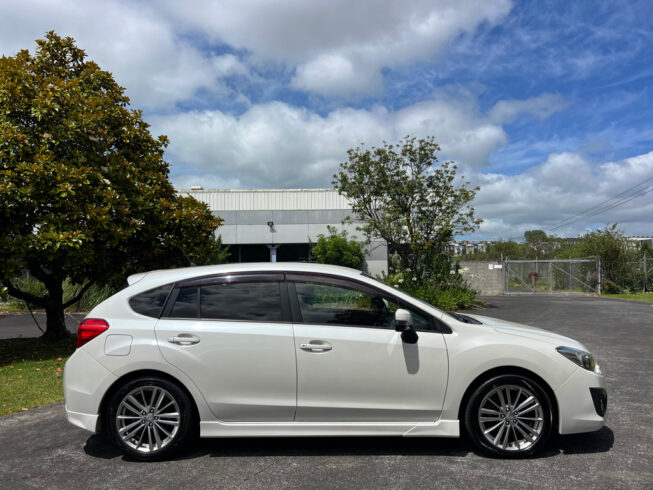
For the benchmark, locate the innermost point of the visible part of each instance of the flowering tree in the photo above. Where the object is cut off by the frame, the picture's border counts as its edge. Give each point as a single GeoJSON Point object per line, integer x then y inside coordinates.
{"type": "Point", "coordinates": [409, 200]}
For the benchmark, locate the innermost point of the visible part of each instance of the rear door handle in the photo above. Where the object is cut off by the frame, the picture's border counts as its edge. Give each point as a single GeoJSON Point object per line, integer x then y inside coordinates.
{"type": "Point", "coordinates": [316, 346]}
{"type": "Point", "coordinates": [184, 339]}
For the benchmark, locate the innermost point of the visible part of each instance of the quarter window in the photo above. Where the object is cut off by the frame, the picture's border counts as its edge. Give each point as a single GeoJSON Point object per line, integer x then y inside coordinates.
{"type": "Point", "coordinates": [150, 302]}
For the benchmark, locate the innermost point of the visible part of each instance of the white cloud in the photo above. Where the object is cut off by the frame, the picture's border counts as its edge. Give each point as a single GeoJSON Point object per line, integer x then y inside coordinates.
{"type": "Point", "coordinates": [145, 53]}
{"type": "Point", "coordinates": [336, 75]}
{"type": "Point", "coordinates": [279, 145]}
{"type": "Point", "coordinates": [565, 185]}
{"type": "Point", "coordinates": [543, 106]}
{"type": "Point", "coordinates": [335, 48]}
{"type": "Point", "coordinates": [338, 46]}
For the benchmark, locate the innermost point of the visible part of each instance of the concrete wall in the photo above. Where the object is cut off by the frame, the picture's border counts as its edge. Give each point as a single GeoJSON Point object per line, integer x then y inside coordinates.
{"type": "Point", "coordinates": [486, 278]}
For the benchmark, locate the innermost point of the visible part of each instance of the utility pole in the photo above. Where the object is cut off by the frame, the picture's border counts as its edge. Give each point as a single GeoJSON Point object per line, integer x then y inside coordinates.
{"type": "Point", "coordinates": [645, 273]}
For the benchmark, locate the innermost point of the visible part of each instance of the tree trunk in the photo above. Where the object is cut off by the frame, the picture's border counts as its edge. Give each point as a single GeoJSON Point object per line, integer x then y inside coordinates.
{"type": "Point", "coordinates": [54, 310]}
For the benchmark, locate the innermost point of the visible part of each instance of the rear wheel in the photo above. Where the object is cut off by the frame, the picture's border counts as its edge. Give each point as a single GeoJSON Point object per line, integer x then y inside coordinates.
{"type": "Point", "coordinates": [509, 416]}
{"type": "Point", "coordinates": [150, 418]}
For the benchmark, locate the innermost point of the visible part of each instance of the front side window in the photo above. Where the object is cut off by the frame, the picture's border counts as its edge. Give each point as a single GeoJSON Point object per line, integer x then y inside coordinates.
{"type": "Point", "coordinates": [325, 304]}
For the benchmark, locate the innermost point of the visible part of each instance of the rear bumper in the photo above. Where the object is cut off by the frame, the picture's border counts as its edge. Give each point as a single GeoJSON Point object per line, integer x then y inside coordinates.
{"type": "Point", "coordinates": [86, 421]}
{"type": "Point", "coordinates": [582, 402]}
{"type": "Point", "coordinates": [85, 382]}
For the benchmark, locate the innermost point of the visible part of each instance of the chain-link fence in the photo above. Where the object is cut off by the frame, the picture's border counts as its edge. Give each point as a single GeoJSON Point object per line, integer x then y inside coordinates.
{"type": "Point", "coordinates": [553, 276]}
{"type": "Point", "coordinates": [632, 277]}
{"type": "Point", "coordinates": [578, 276]}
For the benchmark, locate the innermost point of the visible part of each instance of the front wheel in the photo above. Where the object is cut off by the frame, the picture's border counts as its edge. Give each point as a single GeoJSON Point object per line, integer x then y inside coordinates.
{"type": "Point", "coordinates": [509, 416]}
{"type": "Point", "coordinates": [150, 418]}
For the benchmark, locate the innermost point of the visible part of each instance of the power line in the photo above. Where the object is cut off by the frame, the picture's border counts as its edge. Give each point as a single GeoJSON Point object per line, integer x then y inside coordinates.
{"type": "Point", "coordinates": [582, 214]}
{"type": "Point", "coordinates": [607, 205]}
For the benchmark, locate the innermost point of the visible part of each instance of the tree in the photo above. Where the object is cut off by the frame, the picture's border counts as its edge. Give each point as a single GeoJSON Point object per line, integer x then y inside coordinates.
{"type": "Point", "coordinates": [540, 245]}
{"type": "Point", "coordinates": [84, 190]}
{"type": "Point", "coordinates": [336, 249]}
{"type": "Point", "coordinates": [407, 200]}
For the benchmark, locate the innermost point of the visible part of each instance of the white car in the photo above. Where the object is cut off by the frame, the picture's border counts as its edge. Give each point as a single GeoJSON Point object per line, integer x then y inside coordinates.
{"type": "Point", "coordinates": [251, 350]}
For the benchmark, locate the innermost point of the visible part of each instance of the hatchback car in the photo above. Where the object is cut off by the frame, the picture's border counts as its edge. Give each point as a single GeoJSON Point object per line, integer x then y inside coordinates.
{"type": "Point", "coordinates": [284, 349]}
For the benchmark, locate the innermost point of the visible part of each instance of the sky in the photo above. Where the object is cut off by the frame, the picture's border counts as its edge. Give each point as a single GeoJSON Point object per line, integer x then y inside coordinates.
{"type": "Point", "coordinates": [546, 105]}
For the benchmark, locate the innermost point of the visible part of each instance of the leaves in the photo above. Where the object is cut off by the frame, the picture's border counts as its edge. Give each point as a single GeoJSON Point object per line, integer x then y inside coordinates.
{"type": "Point", "coordinates": [407, 199]}
{"type": "Point", "coordinates": [336, 249]}
{"type": "Point", "coordinates": [84, 190]}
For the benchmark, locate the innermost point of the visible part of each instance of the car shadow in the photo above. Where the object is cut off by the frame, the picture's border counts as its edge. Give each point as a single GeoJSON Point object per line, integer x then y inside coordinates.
{"type": "Point", "coordinates": [594, 442]}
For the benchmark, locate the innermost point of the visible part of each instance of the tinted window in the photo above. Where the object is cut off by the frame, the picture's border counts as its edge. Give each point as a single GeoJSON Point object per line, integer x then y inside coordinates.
{"type": "Point", "coordinates": [150, 302]}
{"type": "Point", "coordinates": [339, 305]}
{"type": "Point", "coordinates": [253, 301]}
{"type": "Point", "coordinates": [186, 304]}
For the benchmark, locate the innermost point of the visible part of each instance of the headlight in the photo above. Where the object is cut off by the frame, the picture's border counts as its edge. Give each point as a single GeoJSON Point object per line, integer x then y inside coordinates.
{"type": "Point", "coordinates": [580, 357]}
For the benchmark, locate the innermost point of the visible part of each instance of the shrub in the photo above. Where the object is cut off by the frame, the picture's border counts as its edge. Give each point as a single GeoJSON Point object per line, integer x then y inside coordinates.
{"type": "Point", "coordinates": [337, 249]}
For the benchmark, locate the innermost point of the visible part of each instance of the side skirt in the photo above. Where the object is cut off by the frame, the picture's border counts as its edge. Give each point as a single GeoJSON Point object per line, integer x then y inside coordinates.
{"type": "Point", "coordinates": [441, 428]}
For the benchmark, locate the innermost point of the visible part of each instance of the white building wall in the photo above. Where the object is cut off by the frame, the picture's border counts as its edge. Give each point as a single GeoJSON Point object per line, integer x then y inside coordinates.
{"type": "Point", "coordinates": [298, 216]}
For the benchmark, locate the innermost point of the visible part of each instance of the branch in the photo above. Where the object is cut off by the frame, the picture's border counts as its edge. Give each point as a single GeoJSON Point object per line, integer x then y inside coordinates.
{"type": "Point", "coordinates": [17, 293]}
{"type": "Point", "coordinates": [78, 296]}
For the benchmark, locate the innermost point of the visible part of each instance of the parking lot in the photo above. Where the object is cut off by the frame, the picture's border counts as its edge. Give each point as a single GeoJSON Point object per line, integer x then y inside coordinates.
{"type": "Point", "coordinates": [38, 449]}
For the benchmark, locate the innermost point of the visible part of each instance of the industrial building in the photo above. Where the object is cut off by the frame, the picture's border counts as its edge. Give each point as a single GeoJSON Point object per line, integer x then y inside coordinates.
{"type": "Point", "coordinates": [278, 225]}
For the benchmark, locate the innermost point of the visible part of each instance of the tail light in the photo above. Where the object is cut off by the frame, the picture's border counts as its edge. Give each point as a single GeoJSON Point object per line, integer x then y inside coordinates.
{"type": "Point", "coordinates": [89, 329]}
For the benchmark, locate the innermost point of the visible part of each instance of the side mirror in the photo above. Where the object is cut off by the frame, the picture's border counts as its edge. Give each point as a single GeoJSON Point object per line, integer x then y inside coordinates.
{"type": "Point", "coordinates": [403, 320]}
{"type": "Point", "coordinates": [404, 324]}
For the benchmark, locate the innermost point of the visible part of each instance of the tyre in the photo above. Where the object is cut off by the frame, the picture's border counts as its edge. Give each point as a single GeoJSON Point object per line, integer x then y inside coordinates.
{"type": "Point", "coordinates": [150, 418]}
{"type": "Point", "coordinates": [509, 416]}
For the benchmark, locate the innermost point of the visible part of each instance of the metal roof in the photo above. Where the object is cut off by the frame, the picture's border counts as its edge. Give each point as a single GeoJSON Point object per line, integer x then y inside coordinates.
{"type": "Point", "coordinates": [268, 199]}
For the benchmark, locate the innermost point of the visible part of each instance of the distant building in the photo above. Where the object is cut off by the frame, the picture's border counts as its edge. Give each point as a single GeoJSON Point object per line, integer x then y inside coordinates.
{"type": "Point", "coordinates": [641, 240]}
{"type": "Point", "coordinates": [278, 225]}
{"type": "Point", "coordinates": [466, 247]}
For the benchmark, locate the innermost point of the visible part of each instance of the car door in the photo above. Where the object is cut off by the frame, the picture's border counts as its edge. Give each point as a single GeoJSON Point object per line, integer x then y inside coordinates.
{"type": "Point", "coordinates": [233, 337]}
{"type": "Point", "coordinates": [352, 366]}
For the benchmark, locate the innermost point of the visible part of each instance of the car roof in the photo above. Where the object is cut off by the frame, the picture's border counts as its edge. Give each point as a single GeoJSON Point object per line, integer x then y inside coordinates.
{"type": "Point", "coordinates": [171, 275]}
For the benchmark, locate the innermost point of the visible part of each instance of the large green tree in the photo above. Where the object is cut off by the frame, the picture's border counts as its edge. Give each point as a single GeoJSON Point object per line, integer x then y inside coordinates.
{"type": "Point", "coordinates": [408, 199]}
{"type": "Point", "coordinates": [84, 190]}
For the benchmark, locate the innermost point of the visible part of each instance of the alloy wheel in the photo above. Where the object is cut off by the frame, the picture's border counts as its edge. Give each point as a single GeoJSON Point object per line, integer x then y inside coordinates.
{"type": "Point", "coordinates": [511, 418]}
{"type": "Point", "coordinates": [148, 419]}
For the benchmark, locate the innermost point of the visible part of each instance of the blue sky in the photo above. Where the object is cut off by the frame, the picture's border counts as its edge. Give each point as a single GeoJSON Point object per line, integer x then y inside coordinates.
{"type": "Point", "coordinates": [546, 105]}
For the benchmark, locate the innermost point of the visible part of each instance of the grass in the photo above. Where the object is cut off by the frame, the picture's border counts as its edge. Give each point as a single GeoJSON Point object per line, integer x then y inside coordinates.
{"type": "Point", "coordinates": [31, 373]}
{"type": "Point", "coordinates": [648, 297]}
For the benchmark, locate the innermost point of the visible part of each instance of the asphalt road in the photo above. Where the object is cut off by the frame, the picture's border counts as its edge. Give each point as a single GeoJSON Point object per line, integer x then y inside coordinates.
{"type": "Point", "coordinates": [15, 325]}
{"type": "Point", "coordinates": [38, 449]}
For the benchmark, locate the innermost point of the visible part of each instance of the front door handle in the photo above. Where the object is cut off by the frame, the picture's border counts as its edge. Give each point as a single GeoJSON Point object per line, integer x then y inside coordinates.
{"type": "Point", "coordinates": [184, 339]}
{"type": "Point", "coordinates": [316, 346]}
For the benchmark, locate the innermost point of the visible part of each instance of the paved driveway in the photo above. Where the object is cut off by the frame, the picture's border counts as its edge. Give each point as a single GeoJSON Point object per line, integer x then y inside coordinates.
{"type": "Point", "coordinates": [15, 325]}
{"type": "Point", "coordinates": [39, 449]}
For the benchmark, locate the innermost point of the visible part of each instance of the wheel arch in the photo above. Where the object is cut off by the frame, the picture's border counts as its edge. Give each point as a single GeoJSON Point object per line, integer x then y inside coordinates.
{"type": "Point", "coordinates": [509, 370]}
{"type": "Point", "coordinates": [141, 373]}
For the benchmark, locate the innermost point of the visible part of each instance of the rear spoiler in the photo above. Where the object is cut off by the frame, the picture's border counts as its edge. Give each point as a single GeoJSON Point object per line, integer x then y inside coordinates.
{"type": "Point", "coordinates": [134, 278]}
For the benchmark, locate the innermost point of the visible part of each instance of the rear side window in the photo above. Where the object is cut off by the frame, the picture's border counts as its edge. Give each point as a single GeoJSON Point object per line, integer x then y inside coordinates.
{"type": "Point", "coordinates": [150, 302]}
{"type": "Point", "coordinates": [249, 301]}
{"type": "Point", "coordinates": [186, 305]}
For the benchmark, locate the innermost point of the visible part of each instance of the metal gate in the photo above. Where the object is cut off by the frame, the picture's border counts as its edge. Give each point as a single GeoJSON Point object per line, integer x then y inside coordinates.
{"type": "Point", "coordinates": [562, 276]}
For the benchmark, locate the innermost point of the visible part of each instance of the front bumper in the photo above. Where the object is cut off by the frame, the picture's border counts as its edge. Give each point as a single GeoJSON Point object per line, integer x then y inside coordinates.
{"type": "Point", "coordinates": [577, 402]}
